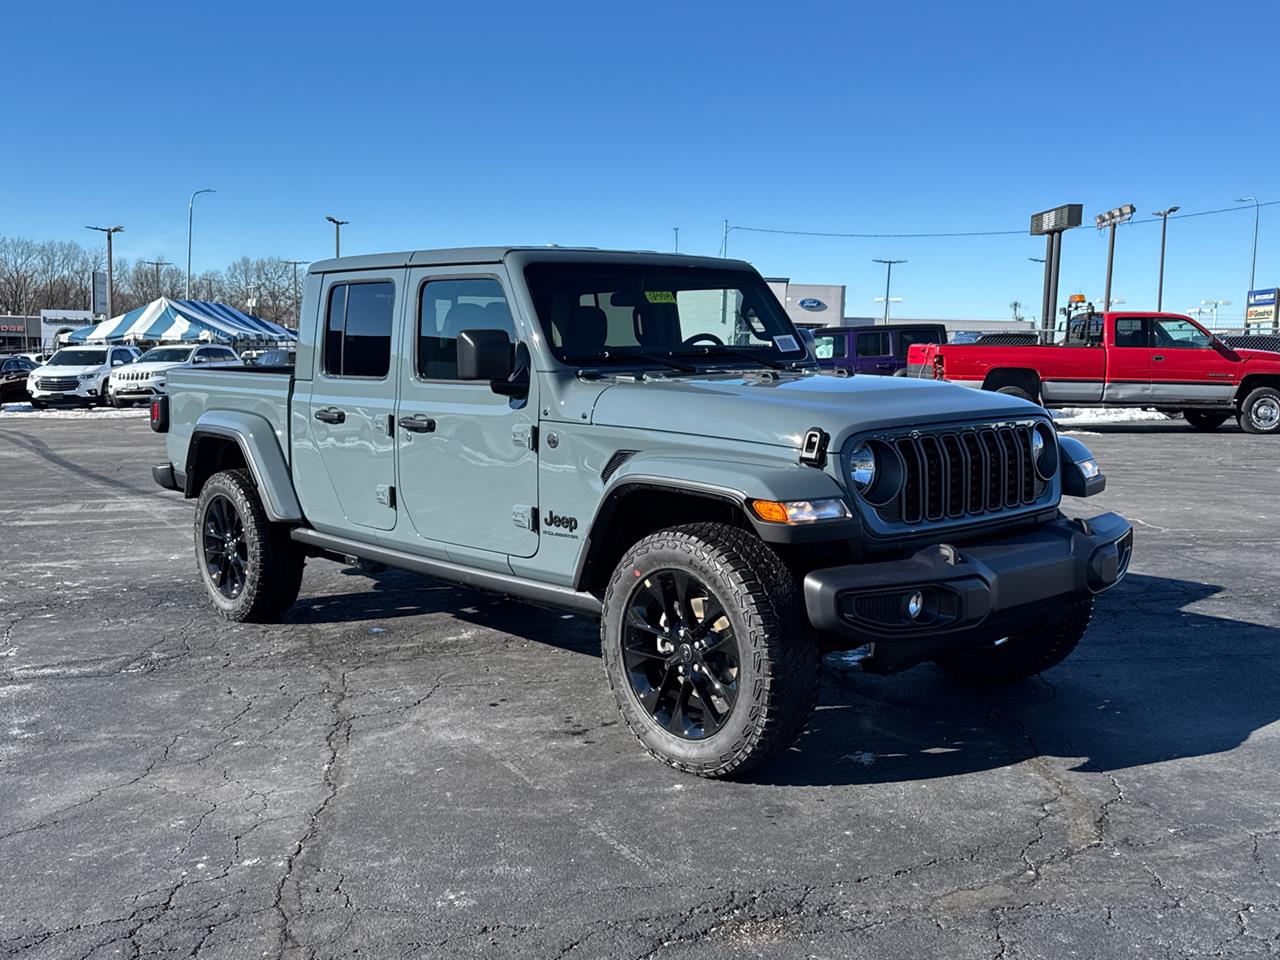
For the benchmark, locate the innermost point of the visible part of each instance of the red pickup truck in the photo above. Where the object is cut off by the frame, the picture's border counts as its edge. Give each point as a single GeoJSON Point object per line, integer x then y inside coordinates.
{"type": "Point", "coordinates": [1161, 360]}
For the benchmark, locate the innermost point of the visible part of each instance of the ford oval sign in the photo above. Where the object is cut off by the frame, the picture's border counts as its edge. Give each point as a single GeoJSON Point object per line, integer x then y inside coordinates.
{"type": "Point", "coordinates": [812, 303]}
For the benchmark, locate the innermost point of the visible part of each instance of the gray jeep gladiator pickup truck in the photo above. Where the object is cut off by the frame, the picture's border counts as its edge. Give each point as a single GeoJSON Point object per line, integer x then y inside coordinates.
{"type": "Point", "coordinates": [643, 438]}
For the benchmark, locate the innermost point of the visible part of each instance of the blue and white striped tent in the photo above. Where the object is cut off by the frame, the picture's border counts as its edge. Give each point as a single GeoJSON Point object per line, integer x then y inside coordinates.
{"type": "Point", "coordinates": [170, 321]}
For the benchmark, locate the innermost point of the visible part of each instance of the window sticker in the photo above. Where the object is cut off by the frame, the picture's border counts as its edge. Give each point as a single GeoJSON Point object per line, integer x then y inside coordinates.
{"type": "Point", "coordinates": [786, 343]}
{"type": "Point", "coordinates": [660, 296]}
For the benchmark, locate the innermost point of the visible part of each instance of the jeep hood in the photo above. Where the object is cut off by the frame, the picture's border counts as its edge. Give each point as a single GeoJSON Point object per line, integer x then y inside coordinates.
{"type": "Point", "coordinates": [758, 409]}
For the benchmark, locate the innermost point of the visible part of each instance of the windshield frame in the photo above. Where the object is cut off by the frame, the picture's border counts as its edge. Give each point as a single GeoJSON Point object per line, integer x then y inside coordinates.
{"type": "Point", "coordinates": [100, 362]}
{"type": "Point", "coordinates": [541, 277]}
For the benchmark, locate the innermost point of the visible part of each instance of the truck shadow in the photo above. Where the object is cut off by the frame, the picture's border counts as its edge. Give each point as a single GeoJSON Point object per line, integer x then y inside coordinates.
{"type": "Point", "coordinates": [1151, 682]}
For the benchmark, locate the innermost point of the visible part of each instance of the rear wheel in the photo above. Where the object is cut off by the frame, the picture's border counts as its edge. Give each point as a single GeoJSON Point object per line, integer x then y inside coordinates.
{"type": "Point", "coordinates": [1018, 392]}
{"type": "Point", "coordinates": [1203, 420]}
{"type": "Point", "coordinates": [250, 566]}
{"type": "Point", "coordinates": [705, 650]}
{"type": "Point", "coordinates": [1260, 412]}
{"type": "Point", "coordinates": [1025, 654]}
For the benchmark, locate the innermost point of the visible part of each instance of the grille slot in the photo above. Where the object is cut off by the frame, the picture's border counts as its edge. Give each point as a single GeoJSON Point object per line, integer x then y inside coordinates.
{"type": "Point", "coordinates": [964, 473]}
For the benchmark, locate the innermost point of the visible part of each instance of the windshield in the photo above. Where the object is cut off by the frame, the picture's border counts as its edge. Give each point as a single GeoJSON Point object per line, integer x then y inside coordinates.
{"type": "Point", "coordinates": [165, 355]}
{"type": "Point", "coordinates": [635, 314]}
{"type": "Point", "coordinates": [78, 358]}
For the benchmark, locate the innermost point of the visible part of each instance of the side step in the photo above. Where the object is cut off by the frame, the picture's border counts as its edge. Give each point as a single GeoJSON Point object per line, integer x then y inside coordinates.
{"type": "Point", "coordinates": [546, 594]}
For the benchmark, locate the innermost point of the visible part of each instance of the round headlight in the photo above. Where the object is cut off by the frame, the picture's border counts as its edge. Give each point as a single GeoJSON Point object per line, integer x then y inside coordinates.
{"type": "Point", "coordinates": [1037, 445]}
{"type": "Point", "coordinates": [862, 467]}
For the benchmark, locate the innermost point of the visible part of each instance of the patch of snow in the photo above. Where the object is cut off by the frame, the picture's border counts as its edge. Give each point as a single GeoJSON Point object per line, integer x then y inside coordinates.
{"type": "Point", "coordinates": [24, 411]}
{"type": "Point", "coordinates": [1083, 416]}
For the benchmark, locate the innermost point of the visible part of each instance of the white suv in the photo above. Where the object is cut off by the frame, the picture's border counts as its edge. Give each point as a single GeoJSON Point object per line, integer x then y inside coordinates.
{"type": "Point", "coordinates": [76, 375]}
{"type": "Point", "coordinates": [139, 380]}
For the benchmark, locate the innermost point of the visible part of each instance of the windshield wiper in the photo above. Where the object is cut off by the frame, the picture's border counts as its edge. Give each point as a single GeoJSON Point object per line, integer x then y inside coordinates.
{"type": "Point", "coordinates": [631, 353]}
{"type": "Point", "coordinates": [710, 350]}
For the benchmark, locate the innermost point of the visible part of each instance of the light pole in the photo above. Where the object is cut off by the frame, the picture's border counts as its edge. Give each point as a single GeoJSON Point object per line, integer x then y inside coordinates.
{"type": "Point", "coordinates": [157, 264]}
{"type": "Point", "coordinates": [337, 234]}
{"type": "Point", "coordinates": [1213, 306]}
{"type": "Point", "coordinates": [297, 305]}
{"type": "Point", "coordinates": [190, 208]}
{"type": "Point", "coordinates": [888, 277]}
{"type": "Point", "coordinates": [1253, 265]}
{"type": "Point", "coordinates": [677, 246]}
{"type": "Point", "coordinates": [110, 275]}
{"type": "Point", "coordinates": [1164, 228]}
{"type": "Point", "coordinates": [1112, 219]}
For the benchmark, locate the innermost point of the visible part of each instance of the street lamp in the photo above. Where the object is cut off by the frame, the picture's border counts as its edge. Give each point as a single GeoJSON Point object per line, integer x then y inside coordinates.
{"type": "Point", "coordinates": [1253, 265]}
{"type": "Point", "coordinates": [888, 276]}
{"type": "Point", "coordinates": [297, 305]}
{"type": "Point", "coordinates": [1036, 259]}
{"type": "Point", "coordinates": [1164, 227]}
{"type": "Point", "coordinates": [337, 234]}
{"type": "Point", "coordinates": [190, 207]}
{"type": "Point", "coordinates": [1112, 219]}
{"type": "Point", "coordinates": [157, 264]}
{"type": "Point", "coordinates": [1213, 306]}
{"type": "Point", "coordinates": [110, 277]}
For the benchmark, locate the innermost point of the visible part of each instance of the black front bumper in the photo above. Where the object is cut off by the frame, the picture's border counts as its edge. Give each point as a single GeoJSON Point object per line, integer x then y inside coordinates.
{"type": "Point", "coordinates": [945, 598]}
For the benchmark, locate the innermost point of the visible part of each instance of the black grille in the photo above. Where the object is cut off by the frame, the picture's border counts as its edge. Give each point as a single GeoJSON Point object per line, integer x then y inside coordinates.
{"type": "Point", "coordinates": [949, 476]}
{"type": "Point", "coordinates": [56, 383]}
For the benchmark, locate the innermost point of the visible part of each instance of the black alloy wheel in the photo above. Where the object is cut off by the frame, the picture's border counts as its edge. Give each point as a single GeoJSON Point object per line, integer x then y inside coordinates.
{"type": "Point", "coordinates": [680, 654]}
{"type": "Point", "coordinates": [226, 553]}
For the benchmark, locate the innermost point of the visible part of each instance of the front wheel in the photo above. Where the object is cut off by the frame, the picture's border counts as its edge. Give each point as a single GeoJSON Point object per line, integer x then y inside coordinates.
{"type": "Point", "coordinates": [1260, 412]}
{"type": "Point", "coordinates": [1203, 420]}
{"type": "Point", "coordinates": [38, 404]}
{"type": "Point", "coordinates": [1025, 654]}
{"type": "Point", "coordinates": [251, 568]}
{"type": "Point", "coordinates": [1018, 392]}
{"type": "Point", "coordinates": [705, 648]}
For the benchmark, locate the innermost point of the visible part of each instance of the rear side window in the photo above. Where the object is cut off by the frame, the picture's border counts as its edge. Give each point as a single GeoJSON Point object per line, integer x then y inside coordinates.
{"type": "Point", "coordinates": [908, 337]}
{"type": "Point", "coordinates": [829, 346]}
{"type": "Point", "coordinates": [1133, 332]}
{"type": "Point", "coordinates": [448, 307]}
{"type": "Point", "coordinates": [874, 344]}
{"type": "Point", "coordinates": [357, 335]}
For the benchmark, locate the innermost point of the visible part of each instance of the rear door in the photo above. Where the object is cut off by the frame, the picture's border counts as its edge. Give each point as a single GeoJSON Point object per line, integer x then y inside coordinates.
{"type": "Point", "coordinates": [874, 354]}
{"type": "Point", "coordinates": [1129, 362]}
{"type": "Point", "coordinates": [348, 412]}
{"type": "Point", "coordinates": [1185, 369]}
{"type": "Point", "coordinates": [467, 456]}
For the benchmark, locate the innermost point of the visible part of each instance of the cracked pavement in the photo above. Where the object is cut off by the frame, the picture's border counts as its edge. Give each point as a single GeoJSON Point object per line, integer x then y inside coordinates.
{"type": "Point", "coordinates": [408, 769]}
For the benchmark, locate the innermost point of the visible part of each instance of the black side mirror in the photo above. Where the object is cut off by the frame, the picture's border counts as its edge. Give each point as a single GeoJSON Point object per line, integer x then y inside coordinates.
{"type": "Point", "coordinates": [484, 355]}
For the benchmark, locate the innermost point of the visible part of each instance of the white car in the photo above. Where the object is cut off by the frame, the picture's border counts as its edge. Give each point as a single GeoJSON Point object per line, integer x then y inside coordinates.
{"type": "Point", "coordinates": [139, 380]}
{"type": "Point", "coordinates": [77, 375]}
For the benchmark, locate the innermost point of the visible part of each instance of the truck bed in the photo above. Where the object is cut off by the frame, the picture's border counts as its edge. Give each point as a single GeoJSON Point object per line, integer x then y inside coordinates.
{"type": "Point", "coordinates": [260, 391]}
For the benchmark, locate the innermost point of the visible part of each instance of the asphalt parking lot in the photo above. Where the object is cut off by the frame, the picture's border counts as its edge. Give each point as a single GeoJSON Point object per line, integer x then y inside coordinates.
{"type": "Point", "coordinates": [406, 769]}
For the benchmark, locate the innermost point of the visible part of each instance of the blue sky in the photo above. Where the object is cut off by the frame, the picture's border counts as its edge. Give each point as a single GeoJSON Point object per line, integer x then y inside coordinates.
{"type": "Point", "coordinates": [607, 124]}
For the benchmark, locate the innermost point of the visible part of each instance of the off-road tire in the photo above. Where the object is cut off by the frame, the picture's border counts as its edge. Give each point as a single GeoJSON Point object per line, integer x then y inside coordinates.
{"type": "Point", "coordinates": [273, 572]}
{"type": "Point", "coordinates": [778, 656]}
{"type": "Point", "coordinates": [1023, 655]}
{"type": "Point", "coordinates": [1204, 420]}
{"type": "Point", "coordinates": [1248, 422]}
{"type": "Point", "coordinates": [1017, 392]}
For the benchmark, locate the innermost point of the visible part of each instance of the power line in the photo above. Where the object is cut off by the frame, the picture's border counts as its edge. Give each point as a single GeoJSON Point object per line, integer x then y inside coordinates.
{"type": "Point", "coordinates": [964, 233]}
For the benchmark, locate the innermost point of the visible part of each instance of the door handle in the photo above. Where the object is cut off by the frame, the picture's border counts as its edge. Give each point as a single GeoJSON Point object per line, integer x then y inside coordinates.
{"type": "Point", "coordinates": [884, 366]}
{"type": "Point", "coordinates": [418, 424]}
{"type": "Point", "coordinates": [1158, 357]}
{"type": "Point", "coordinates": [331, 415]}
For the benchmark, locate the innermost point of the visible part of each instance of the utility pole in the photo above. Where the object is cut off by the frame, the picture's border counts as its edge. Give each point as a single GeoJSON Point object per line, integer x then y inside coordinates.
{"type": "Point", "coordinates": [337, 234]}
{"type": "Point", "coordinates": [888, 277]}
{"type": "Point", "coordinates": [110, 275]}
{"type": "Point", "coordinates": [1112, 219]}
{"type": "Point", "coordinates": [1164, 229]}
{"type": "Point", "coordinates": [677, 246]}
{"type": "Point", "coordinates": [158, 264]}
{"type": "Point", "coordinates": [724, 244]}
{"type": "Point", "coordinates": [1253, 266]}
{"type": "Point", "coordinates": [297, 304]}
{"type": "Point", "coordinates": [190, 208]}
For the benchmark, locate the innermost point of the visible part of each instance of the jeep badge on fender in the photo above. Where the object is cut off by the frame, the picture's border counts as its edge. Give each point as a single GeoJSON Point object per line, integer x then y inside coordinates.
{"type": "Point", "coordinates": [718, 550]}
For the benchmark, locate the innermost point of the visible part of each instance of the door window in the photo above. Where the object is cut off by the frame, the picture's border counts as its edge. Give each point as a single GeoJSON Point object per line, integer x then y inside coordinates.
{"type": "Point", "coordinates": [907, 337]}
{"type": "Point", "coordinates": [1173, 334]}
{"type": "Point", "coordinates": [1133, 332]}
{"type": "Point", "coordinates": [873, 344]}
{"type": "Point", "coordinates": [445, 309]}
{"type": "Point", "coordinates": [829, 346]}
{"type": "Point", "coordinates": [357, 341]}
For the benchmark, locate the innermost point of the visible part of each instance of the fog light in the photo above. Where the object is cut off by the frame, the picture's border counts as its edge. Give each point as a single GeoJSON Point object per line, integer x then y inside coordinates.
{"type": "Point", "coordinates": [915, 605]}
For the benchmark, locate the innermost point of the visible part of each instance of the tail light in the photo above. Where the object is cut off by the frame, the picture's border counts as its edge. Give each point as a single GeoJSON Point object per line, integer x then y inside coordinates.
{"type": "Point", "coordinates": [160, 413]}
{"type": "Point", "coordinates": [937, 367]}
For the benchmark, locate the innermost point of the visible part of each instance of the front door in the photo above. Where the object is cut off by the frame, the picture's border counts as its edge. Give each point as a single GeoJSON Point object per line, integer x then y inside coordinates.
{"type": "Point", "coordinates": [1129, 362]}
{"type": "Point", "coordinates": [467, 456]}
{"type": "Point", "coordinates": [353, 397]}
{"type": "Point", "coordinates": [1186, 369]}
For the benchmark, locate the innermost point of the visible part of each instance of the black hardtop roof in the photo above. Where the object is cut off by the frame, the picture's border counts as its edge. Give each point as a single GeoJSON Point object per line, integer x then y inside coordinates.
{"type": "Point", "coordinates": [451, 256]}
{"type": "Point", "coordinates": [866, 327]}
